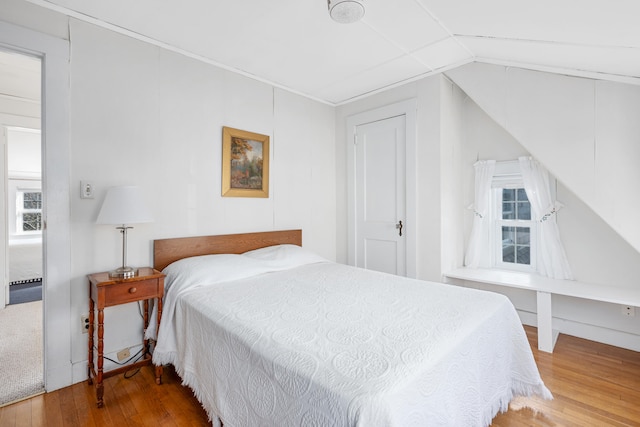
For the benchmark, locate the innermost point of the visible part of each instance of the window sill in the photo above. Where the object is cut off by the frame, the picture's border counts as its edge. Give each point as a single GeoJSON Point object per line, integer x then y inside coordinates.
{"type": "Point", "coordinates": [25, 240]}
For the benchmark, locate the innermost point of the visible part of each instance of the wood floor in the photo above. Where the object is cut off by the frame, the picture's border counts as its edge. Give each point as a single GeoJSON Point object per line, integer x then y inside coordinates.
{"type": "Point", "coordinates": [136, 401]}
{"type": "Point", "coordinates": [593, 385]}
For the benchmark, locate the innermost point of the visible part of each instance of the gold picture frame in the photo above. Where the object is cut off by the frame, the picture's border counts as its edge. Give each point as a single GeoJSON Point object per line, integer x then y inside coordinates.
{"type": "Point", "coordinates": [245, 163]}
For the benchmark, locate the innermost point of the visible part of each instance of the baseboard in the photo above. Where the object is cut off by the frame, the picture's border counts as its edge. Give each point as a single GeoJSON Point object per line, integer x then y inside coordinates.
{"type": "Point", "coordinates": [80, 371]}
{"type": "Point", "coordinates": [589, 332]}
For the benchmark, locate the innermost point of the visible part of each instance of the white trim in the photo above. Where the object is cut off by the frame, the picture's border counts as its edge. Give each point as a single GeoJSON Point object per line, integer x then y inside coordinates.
{"type": "Point", "coordinates": [166, 46]}
{"type": "Point", "coordinates": [408, 109]}
{"type": "Point", "coordinates": [4, 220]}
{"type": "Point", "coordinates": [55, 191]}
{"type": "Point", "coordinates": [595, 75]}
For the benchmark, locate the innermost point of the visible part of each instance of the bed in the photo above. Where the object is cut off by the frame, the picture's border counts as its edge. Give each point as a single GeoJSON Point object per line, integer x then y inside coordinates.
{"type": "Point", "coordinates": [267, 333]}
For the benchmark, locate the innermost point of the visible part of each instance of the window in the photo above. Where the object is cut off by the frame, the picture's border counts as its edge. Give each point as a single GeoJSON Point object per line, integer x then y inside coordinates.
{"type": "Point", "coordinates": [28, 211]}
{"type": "Point", "coordinates": [510, 232]}
{"type": "Point", "coordinates": [514, 230]}
{"type": "Point", "coordinates": [514, 233]}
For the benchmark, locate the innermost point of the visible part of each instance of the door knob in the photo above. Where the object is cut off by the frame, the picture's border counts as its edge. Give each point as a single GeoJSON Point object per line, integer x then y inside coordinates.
{"type": "Point", "coordinates": [399, 227]}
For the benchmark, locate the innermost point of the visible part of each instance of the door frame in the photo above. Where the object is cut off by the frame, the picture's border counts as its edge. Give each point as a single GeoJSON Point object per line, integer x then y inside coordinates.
{"type": "Point", "coordinates": [56, 274]}
{"type": "Point", "coordinates": [407, 108]}
{"type": "Point", "coordinates": [4, 231]}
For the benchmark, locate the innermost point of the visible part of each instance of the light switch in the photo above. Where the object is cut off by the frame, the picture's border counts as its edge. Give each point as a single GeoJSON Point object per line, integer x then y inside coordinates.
{"type": "Point", "coordinates": [86, 190]}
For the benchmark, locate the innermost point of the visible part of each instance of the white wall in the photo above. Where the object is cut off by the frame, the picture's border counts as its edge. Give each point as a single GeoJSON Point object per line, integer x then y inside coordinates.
{"type": "Point", "coordinates": [146, 116]}
{"type": "Point", "coordinates": [23, 159]}
{"type": "Point", "coordinates": [596, 253]}
{"type": "Point", "coordinates": [142, 115]}
{"type": "Point", "coordinates": [586, 132]}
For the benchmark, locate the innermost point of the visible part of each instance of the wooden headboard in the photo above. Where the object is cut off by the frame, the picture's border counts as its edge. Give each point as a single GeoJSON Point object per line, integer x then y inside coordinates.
{"type": "Point", "coordinates": [166, 251]}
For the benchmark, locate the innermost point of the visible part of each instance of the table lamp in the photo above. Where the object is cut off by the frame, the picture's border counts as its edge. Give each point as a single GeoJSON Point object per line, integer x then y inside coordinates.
{"type": "Point", "coordinates": [124, 205]}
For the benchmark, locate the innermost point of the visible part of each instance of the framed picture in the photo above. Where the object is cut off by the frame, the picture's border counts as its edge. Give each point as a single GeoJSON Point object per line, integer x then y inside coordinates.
{"type": "Point", "coordinates": [245, 163]}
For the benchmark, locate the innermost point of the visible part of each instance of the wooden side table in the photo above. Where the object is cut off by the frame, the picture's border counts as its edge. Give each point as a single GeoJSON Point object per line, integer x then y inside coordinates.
{"type": "Point", "coordinates": [105, 291]}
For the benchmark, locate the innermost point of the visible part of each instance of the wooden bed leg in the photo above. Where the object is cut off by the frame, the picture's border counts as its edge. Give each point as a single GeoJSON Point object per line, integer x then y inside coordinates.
{"type": "Point", "coordinates": [158, 375]}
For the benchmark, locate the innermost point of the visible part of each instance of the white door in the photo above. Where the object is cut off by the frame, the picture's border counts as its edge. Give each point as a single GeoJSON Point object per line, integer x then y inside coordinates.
{"type": "Point", "coordinates": [380, 203]}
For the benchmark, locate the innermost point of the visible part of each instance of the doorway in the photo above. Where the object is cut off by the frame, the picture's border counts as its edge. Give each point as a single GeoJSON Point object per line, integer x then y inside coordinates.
{"type": "Point", "coordinates": [381, 180]}
{"type": "Point", "coordinates": [21, 253]}
{"type": "Point", "coordinates": [24, 214]}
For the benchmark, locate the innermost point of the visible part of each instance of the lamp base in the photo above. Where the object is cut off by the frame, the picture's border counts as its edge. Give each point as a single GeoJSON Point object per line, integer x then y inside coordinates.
{"type": "Point", "coordinates": [124, 272]}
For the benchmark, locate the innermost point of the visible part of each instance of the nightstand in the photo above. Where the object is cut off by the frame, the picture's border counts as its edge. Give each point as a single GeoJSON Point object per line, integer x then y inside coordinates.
{"type": "Point", "coordinates": [105, 291]}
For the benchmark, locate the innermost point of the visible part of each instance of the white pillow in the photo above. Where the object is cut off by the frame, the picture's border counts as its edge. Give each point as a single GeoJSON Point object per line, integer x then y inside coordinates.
{"type": "Point", "coordinates": [205, 270]}
{"type": "Point", "coordinates": [208, 270]}
{"type": "Point", "coordinates": [285, 256]}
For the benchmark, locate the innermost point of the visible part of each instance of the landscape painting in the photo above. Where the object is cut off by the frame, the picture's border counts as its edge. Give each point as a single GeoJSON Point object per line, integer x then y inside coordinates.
{"type": "Point", "coordinates": [245, 163]}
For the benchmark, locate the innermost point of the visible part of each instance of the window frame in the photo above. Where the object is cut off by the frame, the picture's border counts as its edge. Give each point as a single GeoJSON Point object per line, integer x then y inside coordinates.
{"type": "Point", "coordinates": [21, 210]}
{"type": "Point", "coordinates": [499, 222]}
{"type": "Point", "coordinates": [507, 175]}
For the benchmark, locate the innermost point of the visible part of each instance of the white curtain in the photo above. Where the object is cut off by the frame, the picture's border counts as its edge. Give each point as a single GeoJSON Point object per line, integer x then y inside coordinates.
{"type": "Point", "coordinates": [478, 248]}
{"type": "Point", "coordinates": [552, 260]}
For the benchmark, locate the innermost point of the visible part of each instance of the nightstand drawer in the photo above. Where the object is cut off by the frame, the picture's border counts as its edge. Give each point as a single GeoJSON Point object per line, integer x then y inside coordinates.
{"type": "Point", "coordinates": [131, 291]}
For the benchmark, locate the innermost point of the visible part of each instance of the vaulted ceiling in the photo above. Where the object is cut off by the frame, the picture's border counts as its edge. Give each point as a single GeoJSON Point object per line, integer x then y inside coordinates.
{"type": "Point", "coordinates": [295, 45]}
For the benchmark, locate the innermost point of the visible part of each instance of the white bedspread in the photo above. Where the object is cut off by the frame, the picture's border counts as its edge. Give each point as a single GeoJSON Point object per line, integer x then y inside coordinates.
{"type": "Point", "coordinates": [324, 344]}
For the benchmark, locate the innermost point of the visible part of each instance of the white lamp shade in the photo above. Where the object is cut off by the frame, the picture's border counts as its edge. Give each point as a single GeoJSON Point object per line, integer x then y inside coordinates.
{"type": "Point", "coordinates": [124, 205]}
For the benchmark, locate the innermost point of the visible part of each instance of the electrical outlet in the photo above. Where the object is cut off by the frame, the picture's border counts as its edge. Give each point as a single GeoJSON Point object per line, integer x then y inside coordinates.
{"type": "Point", "coordinates": [84, 323]}
{"type": "Point", "coordinates": [628, 310]}
{"type": "Point", "coordinates": [123, 354]}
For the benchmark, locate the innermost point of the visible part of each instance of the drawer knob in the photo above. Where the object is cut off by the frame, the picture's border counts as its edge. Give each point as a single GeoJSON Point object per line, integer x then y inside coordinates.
{"type": "Point", "coordinates": [132, 290]}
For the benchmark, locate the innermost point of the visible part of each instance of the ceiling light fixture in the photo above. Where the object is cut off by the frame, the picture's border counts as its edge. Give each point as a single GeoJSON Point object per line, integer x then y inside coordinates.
{"type": "Point", "coordinates": [346, 11]}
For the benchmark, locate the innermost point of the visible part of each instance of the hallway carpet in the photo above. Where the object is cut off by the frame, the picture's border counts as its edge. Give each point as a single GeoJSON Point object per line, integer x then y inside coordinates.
{"type": "Point", "coordinates": [21, 364]}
